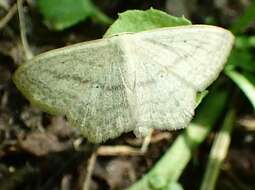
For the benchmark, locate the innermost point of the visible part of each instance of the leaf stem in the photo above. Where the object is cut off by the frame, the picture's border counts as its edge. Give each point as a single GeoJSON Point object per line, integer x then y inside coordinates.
{"type": "Point", "coordinates": [27, 50]}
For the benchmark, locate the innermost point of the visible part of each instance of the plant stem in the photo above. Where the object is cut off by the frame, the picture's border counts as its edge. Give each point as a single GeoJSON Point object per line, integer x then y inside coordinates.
{"type": "Point", "coordinates": [27, 50]}
{"type": "Point", "coordinates": [243, 83]}
{"type": "Point", "coordinates": [218, 152]}
{"type": "Point", "coordinates": [100, 17]}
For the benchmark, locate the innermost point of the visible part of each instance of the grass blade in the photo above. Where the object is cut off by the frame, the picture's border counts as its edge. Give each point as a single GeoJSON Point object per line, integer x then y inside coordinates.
{"type": "Point", "coordinates": [243, 22]}
{"type": "Point", "coordinates": [244, 83]}
{"type": "Point", "coordinates": [218, 152]}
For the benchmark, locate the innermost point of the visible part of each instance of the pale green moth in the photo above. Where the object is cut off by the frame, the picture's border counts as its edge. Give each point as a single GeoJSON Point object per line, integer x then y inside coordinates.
{"type": "Point", "coordinates": [127, 82]}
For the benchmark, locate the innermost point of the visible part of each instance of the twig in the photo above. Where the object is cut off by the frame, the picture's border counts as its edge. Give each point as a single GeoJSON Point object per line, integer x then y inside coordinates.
{"type": "Point", "coordinates": [119, 150]}
{"type": "Point", "coordinates": [4, 21]}
{"type": "Point", "coordinates": [157, 137]}
{"type": "Point", "coordinates": [122, 150]}
{"type": "Point", "coordinates": [66, 182]}
{"type": "Point", "coordinates": [90, 169]}
{"type": "Point", "coordinates": [28, 52]}
{"type": "Point", "coordinates": [4, 4]}
{"type": "Point", "coordinates": [146, 141]}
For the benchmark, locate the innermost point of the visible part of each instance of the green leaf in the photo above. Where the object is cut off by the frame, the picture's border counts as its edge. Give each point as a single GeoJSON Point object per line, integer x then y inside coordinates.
{"type": "Point", "coordinates": [200, 96]}
{"type": "Point", "coordinates": [242, 55]}
{"type": "Point", "coordinates": [137, 21]}
{"type": "Point", "coordinates": [174, 186]}
{"type": "Point", "coordinates": [245, 20]}
{"type": "Point", "coordinates": [61, 14]}
{"type": "Point", "coordinates": [244, 42]}
{"type": "Point", "coordinates": [241, 59]}
{"type": "Point", "coordinates": [245, 81]}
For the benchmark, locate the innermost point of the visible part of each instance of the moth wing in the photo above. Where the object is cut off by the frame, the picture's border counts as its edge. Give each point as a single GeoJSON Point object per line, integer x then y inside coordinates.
{"type": "Point", "coordinates": [128, 82]}
{"type": "Point", "coordinates": [195, 53]}
{"type": "Point", "coordinates": [167, 67]}
{"type": "Point", "coordinates": [82, 82]}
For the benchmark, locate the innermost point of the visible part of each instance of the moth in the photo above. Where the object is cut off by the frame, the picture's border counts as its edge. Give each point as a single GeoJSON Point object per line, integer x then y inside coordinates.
{"type": "Point", "coordinates": [127, 82]}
